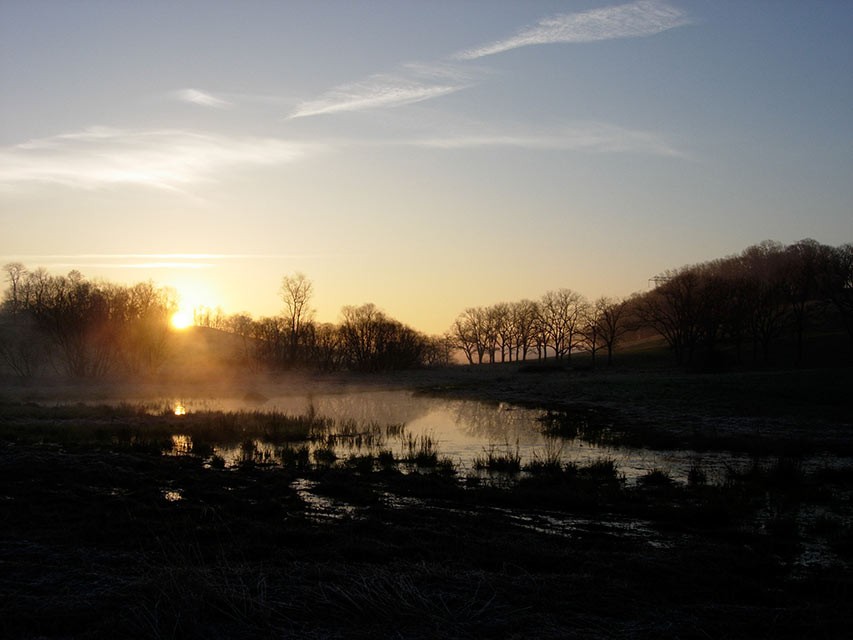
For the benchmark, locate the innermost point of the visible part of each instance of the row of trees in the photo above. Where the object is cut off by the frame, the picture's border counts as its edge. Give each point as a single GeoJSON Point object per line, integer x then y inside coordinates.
{"type": "Point", "coordinates": [745, 303]}
{"type": "Point", "coordinates": [81, 327]}
{"type": "Point", "coordinates": [752, 299]}
{"type": "Point", "coordinates": [748, 301]}
{"type": "Point", "coordinates": [557, 324]}
{"type": "Point", "coordinates": [89, 328]}
{"type": "Point", "coordinates": [366, 339]}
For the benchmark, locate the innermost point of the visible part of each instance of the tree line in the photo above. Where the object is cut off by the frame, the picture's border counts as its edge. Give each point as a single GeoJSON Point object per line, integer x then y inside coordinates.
{"type": "Point", "coordinates": [743, 305]}
{"type": "Point", "coordinates": [85, 329]}
{"type": "Point", "coordinates": [365, 339]}
{"type": "Point", "coordinates": [81, 327]}
{"type": "Point", "coordinates": [751, 301]}
{"type": "Point", "coordinates": [559, 323]}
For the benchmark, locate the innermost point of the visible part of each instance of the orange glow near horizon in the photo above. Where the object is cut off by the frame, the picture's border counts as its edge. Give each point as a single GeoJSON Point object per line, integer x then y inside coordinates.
{"type": "Point", "coordinates": [182, 319]}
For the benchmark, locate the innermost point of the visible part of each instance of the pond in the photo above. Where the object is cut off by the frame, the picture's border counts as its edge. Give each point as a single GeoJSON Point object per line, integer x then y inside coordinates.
{"type": "Point", "coordinates": [464, 432]}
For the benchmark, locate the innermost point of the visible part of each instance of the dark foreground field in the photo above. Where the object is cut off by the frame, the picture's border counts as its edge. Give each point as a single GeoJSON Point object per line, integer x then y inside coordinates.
{"type": "Point", "coordinates": [102, 536]}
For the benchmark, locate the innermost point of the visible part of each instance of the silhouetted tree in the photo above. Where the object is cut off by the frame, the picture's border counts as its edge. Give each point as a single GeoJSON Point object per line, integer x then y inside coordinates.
{"type": "Point", "coordinates": [835, 280]}
{"type": "Point", "coordinates": [470, 331]}
{"type": "Point", "coordinates": [139, 316]}
{"type": "Point", "coordinates": [15, 276]}
{"type": "Point", "coordinates": [504, 329]}
{"type": "Point", "coordinates": [269, 341]}
{"type": "Point", "coordinates": [438, 351]}
{"type": "Point", "coordinates": [763, 285]}
{"type": "Point", "coordinates": [673, 309]}
{"type": "Point", "coordinates": [609, 319]}
{"type": "Point", "coordinates": [296, 292]}
{"type": "Point", "coordinates": [525, 316]}
{"type": "Point", "coordinates": [804, 260]}
{"type": "Point", "coordinates": [561, 313]}
{"type": "Point", "coordinates": [371, 341]}
{"type": "Point", "coordinates": [325, 347]}
{"type": "Point", "coordinates": [242, 326]}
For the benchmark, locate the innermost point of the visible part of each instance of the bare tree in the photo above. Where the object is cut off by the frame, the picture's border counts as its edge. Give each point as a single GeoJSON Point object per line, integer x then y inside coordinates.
{"type": "Point", "coordinates": [439, 350]}
{"type": "Point", "coordinates": [471, 333]}
{"type": "Point", "coordinates": [762, 266]}
{"type": "Point", "coordinates": [242, 326]}
{"type": "Point", "coordinates": [270, 343]}
{"type": "Point", "coordinates": [610, 316]}
{"type": "Point", "coordinates": [605, 324]}
{"type": "Point", "coordinates": [561, 314]}
{"type": "Point", "coordinates": [836, 282]}
{"type": "Point", "coordinates": [326, 351]}
{"type": "Point", "coordinates": [504, 329]}
{"type": "Point", "coordinates": [804, 262]}
{"type": "Point", "coordinates": [673, 309]}
{"type": "Point", "coordinates": [524, 320]}
{"type": "Point", "coordinates": [15, 275]}
{"type": "Point", "coordinates": [296, 292]}
{"type": "Point", "coordinates": [371, 341]}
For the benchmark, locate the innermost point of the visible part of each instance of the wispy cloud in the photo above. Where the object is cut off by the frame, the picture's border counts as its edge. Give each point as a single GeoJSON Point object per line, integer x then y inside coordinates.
{"type": "Point", "coordinates": [633, 20]}
{"type": "Point", "coordinates": [134, 256]}
{"type": "Point", "coordinates": [165, 159]}
{"type": "Point", "coordinates": [171, 261]}
{"type": "Point", "coordinates": [417, 82]}
{"type": "Point", "coordinates": [201, 98]}
{"type": "Point", "coordinates": [589, 137]}
{"type": "Point", "coordinates": [192, 266]}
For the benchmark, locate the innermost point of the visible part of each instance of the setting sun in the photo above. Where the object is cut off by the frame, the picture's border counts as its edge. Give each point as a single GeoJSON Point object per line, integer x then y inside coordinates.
{"type": "Point", "coordinates": [182, 319]}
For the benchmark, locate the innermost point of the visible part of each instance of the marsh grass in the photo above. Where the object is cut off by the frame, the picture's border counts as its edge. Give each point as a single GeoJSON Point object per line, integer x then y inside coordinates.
{"type": "Point", "coordinates": [258, 437]}
{"type": "Point", "coordinates": [549, 460]}
{"type": "Point", "coordinates": [386, 459]}
{"type": "Point", "coordinates": [324, 456]}
{"type": "Point", "coordinates": [362, 463]}
{"type": "Point", "coordinates": [503, 460]}
{"type": "Point", "coordinates": [603, 469]}
{"type": "Point", "coordinates": [124, 423]}
{"type": "Point", "coordinates": [656, 478]}
{"type": "Point", "coordinates": [352, 436]}
{"type": "Point", "coordinates": [90, 539]}
{"type": "Point", "coordinates": [296, 458]}
{"type": "Point", "coordinates": [420, 450]}
{"type": "Point", "coordinates": [91, 548]}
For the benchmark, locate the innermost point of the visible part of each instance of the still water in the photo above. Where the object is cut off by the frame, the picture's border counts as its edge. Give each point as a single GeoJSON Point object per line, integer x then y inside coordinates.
{"type": "Point", "coordinates": [462, 431]}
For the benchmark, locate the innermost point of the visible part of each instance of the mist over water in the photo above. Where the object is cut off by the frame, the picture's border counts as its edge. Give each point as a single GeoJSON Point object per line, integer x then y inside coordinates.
{"type": "Point", "coordinates": [463, 431]}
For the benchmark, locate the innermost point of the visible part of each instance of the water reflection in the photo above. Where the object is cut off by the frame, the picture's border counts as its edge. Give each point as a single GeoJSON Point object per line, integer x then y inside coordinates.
{"type": "Point", "coordinates": [393, 425]}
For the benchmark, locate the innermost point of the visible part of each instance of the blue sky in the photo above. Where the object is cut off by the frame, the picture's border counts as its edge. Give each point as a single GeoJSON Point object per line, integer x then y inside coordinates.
{"type": "Point", "coordinates": [425, 156]}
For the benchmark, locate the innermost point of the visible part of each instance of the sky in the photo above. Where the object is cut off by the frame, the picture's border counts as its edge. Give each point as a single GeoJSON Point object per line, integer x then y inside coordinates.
{"type": "Point", "coordinates": [425, 156]}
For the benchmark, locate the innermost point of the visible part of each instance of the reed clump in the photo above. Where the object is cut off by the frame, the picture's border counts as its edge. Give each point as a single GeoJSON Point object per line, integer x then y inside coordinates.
{"type": "Point", "coordinates": [503, 460]}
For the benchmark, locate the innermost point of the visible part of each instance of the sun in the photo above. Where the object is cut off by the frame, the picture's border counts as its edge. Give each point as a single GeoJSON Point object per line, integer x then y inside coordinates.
{"type": "Point", "coordinates": [182, 319]}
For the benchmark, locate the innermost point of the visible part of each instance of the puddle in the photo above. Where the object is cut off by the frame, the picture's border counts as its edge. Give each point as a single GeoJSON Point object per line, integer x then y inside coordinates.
{"type": "Point", "coordinates": [322, 508]}
{"type": "Point", "coordinates": [576, 527]}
